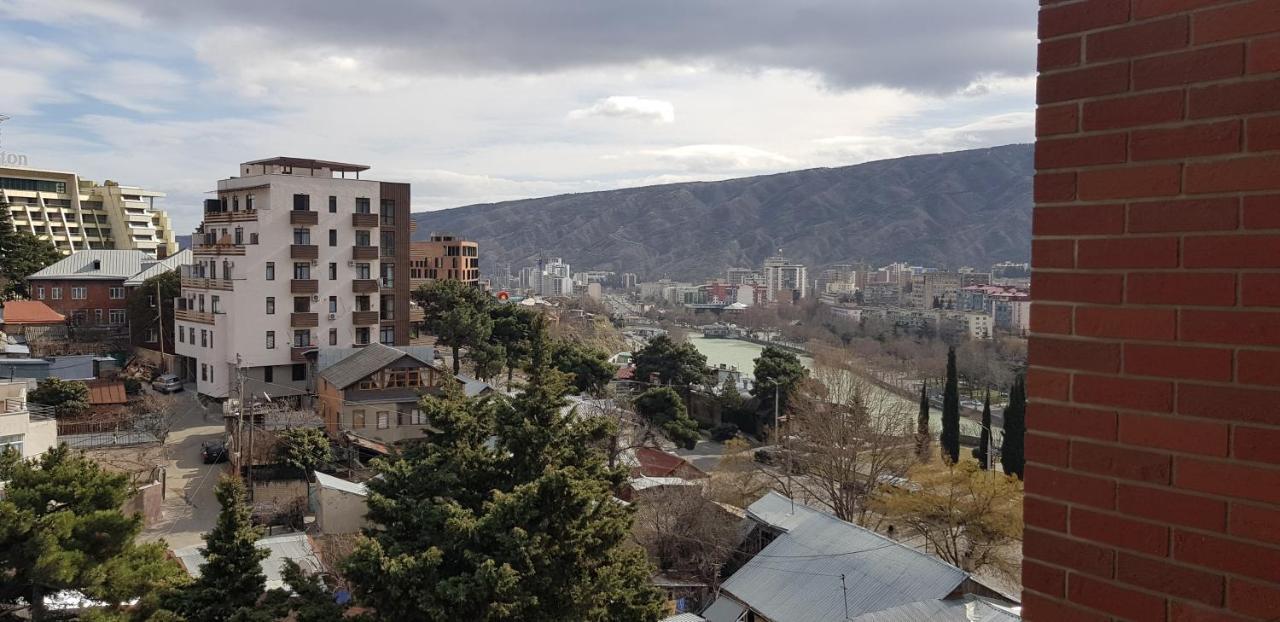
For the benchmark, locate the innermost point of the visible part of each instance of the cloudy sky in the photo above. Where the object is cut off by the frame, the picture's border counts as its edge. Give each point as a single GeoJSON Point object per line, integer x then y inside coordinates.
{"type": "Point", "coordinates": [486, 100]}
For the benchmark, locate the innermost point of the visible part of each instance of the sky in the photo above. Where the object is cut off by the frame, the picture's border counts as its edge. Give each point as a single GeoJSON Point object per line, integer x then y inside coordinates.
{"type": "Point", "coordinates": [486, 100]}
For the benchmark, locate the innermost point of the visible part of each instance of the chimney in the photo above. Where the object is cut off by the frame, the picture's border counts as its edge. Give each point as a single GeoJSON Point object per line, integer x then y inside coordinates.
{"type": "Point", "coordinates": [162, 251]}
{"type": "Point", "coordinates": [97, 264]}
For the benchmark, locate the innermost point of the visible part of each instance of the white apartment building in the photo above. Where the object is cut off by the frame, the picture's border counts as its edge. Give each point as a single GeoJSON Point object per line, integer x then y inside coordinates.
{"type": "Point", "coordinates": [77, 214]}
{"type": "Point", "coordinates": [294, 255]}
{"type": "Point", "coordinates": [25, 428]}
{"type": "Point", "coordinates": [784, 279]}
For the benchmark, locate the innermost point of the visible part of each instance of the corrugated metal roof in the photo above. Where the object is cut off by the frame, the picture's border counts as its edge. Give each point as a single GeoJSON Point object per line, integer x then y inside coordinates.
{"type": "Point", "coordinates": [367, 360]}
{"type": "Point", "coordinates": [113, 264]}
{"type": "Point", "coordinates": [724, 610]}
{"type": "Point", "coordinates": [684, 617]}
{"type": "Point", "coordinates": [328, 357]}
{"type": "Point", "coordinates": [797, 578]}
{"type": "Point", "coordinates": [968, 609]}
{"type": "Point", "coordinates": [105, 393]}
{"type": "Point", "coordinates": [296, 546]}
{"type": "Point", "coordinates": [337, 483]}
{"type": "Point", "coordinates": [180, 258]}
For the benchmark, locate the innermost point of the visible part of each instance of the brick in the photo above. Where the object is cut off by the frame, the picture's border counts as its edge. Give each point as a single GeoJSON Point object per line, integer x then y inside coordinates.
{"type": "Point", "coordinates": [1254, 599]}
{"type": "Point", "coordinates": [1077, 555]}
{"type": "Point", "coordinates": [1145, 38]}
{"type": "Point", "coordinates": [1133, 111]}
{"type": "Point", "coordinates": [1229, 479]}
{"type": "Point", "coordinates": [1047, 449]}
{"type": "Point", "coordinates": [1174, 433]}
{"type": "Point", "coordinates": [1234, 175]}
{"type": "Point", "coordinates": [1041, 609]}
{"type": "Point", "coordinates": [1187, 141]}
{"type": "Point", "coordinates": [1147, 181]}
{"type": "Point", "coordinates": [1128, 252]}
{"type": "Point", "coordinates": [1047, 318]}
{"type": "Point", "coordinates": [1126, 463]}
{"type": "Point", "coordinates": [1172, 507]}
{"type": "Point", "coordinates": [1078, 220]}
{"type": "Point", "coordinates": [1070, 487]}
{"type": "Point", "coordinates": [1048, 385]}
{"type": "Point", "coordinates": [1099, 288]}
{"type": "Point", "coordinates": [1073, 421]}
{"type": "Point", "coordinates": [1260, 290]}
{"type": "Point", "coordinates": [1082, 16]}
{"type": "Point", "coordinates": [1239, 20]}
{"type": "Point", "coordinates": [1055, 187]}
{"type": "Point", "coordinates": [1232, 251]}
{"type": "Point", "coordinates": [1172, 579]}
{"type": "Point", "coordinates": [1123, 602]}
{"type": "Point", "coordinates": [1258, 367]}
{"type": "Point", "coordinates": [1262, 212]}
{"type": "Point", "coordinates": [1178, 362]}
{"type": "Point", "coordinates": [1229, 403]}
{"type": "Point", "coordinates": [1081, 83]}
{"type": "Point", "coordinates": [1082, 151]}
{"type": "Point", "coordinates": [1069, 354]}
{"type": "Point", "coordinates": [1202, 65]}
{"type": "Point", "coordinates": [1258, 328]}
{"type": "Point", "coordinates": [1237, 98]}
{"type": "Point", "coordinates": [1241, 558]}
{"type": "Point", "coordinates": [1185, 215]}
{"type": "Point", "coordinates": [1143, 9]}
{"type": "Point", "coordinates": [1263, 133]}
{"type": "Point", "coordinates": [1263, 56]}
{"type": "Point", "coordinates": [1058, 54]}
{"type": "Point", "coordinates": [1044, 579]}
{"type": "Point", "coordinates": [1044, 514]}
{"type": "Point", "coordinates": [1255, 523]}
{"type": "Point", "coordinates": [1126, 322]}
{"type": "Point", "coordinates": [1148, 395]}
{"type": "Point", "coordinates": [1053, 253]}
{"type": "Point", "coordinates": [1256, 444]}
{"type": "Point", "coordinates": [1178, 288]}
{"type": "Point", "coordinates": [1188, 612]}
{"type": "Point", "coordinates": [1052, 120]}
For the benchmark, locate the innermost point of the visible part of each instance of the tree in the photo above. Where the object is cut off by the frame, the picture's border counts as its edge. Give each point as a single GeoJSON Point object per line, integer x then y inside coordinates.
{"type": "Point", "coordinates": [969, 517]}
{"type": "Point", "coordinates": [457, 314]}
{"type": "Point", "coordinates": [21, 255]}
{"type": "Point", "coordinates": [231, 579]}
{"type": "Point", "coordinates": [777, 373]}
{"type": "Point", "coordinates": [924, 436]}
{"type": "Point", "coordinates": [307, 598]}
{"type": "Point", "coordinates": [146, 312]}
{"type": "Point", "coordinates": [1012, 449]}
{"type": "Point", "coordinates": [487, 359]}
{"type": "Point", "coordinates": [950, 437]}
{"type": "Point", "coordinates": [61, 529]}
{"type": "Point", "coordinates": [305, 449]}
{"type": "Point", "coordinates": [590, 367]}
{"type": "Point", "coordinates": [512, 329]}
{"type": "Point", "coordinates": [663, 407]}
{"type": "Point", "coordinates": [983, 452]}
{"type": "Point", "coordinates": [672, 363]}
{"type": "Point", "coordinates": [684, 533]}
{"type": "Point", "coordinates": [67, 397]}
{"type": "Point", "coordinates": [735, 480]}
{"type": "Point", "coordinates": [505, 514]}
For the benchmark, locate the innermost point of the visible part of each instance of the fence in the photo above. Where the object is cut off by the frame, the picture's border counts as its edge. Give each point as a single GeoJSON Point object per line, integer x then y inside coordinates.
{"type": "Point", "coordinates": [113, 431]}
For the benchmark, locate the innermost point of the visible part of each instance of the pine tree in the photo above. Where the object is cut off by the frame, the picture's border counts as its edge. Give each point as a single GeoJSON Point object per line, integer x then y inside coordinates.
{"type": "Point", "coordinates": [505, 514]}
{"type": "Point", "coordinates": [1012, 456]}
{"type": "Point", "coordinates": [983, 452]}
{"type": "Point", "coordinates": [950, 437]}
{"type": "Point", "coordinates": [924, 437]}
{"type": "Point", "coordinates": [231, 579]}
{"type": "Point", "coordinates": [21, 254]}
{"type": "Point", "coordinates": [457, 314]}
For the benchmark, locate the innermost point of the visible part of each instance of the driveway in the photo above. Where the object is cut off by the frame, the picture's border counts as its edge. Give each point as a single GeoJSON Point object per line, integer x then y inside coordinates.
{"type": "Point", "coordinates": [190, 508]}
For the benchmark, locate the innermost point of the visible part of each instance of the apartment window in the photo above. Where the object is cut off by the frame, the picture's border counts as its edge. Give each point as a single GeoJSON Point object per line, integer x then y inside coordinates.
{"type": "Point", "coordinates": [78, 293]}
{"type": "Point", "coordinates": [97, 316]}
{"type": "Point", "coordinates": [413, 417]}
{"type": "Point", "coordinates": [362, 271]}
{"type": "Point", "coordinates": [301, 236]}
{"type": "Point", "coordinates": [401, 378]}
{"type": "Point", "coordinates": [117, 316]}
{"type": "Point", "coordinates": [387, 305]}
{"type": "Point", "coordinates": [79, 316]}
{"type": "Point", "coordinates": [362, 206]}
{"type": "Point", "coordinates": [271, 305]}
{"type": "Point", "coordinates": [239, 236]}
{"type": "Point", "coordinates": [271, 340]}
{"type": "Point", "coordinates": [180, 335]}
{"type": "Point", "coordinates": [362, 335]}
{"type": "Point", "coordinates": [301, 338]}
{"type": "Point", "coordinates": [302, 202]}
{"type": "Point", "coordinates": [333, 304]}
{"type": "Point", "coordinates": [116, 293]}
{"type": "Point", "coordinates": [387, 335]}
{"type": "Point", "coordinates": [204, 338]}
{"type": "Point", "coordinates": [204, 372]}
{"type": "Point", "coordinates": [333, 204]}
{"type": "Point", "coordinates": [333, 271]}
{"type": "Point", "coordinates": [333, 237]}
{"type": "Point", "coordinates": [301, 271]}
{"type": "Point", "coordinates": [271, 270]}
{"type": "Point", "coordinates": [333, 336]}
{"type": "Point", "coordinates": [388, 243]}
{"type": "Point", "coordinates": [214, 304]}
{"type": "Point", "coordinates": [388, 209]}
{"type": "Point", "coordinates": [384, 419]}
{"type": "Point", "coordinates": [253, 238]}
{"type": "Point", "coordinates": [388, 273]}
{"type": "Point", "coordinates": [362, 303]}
{"type": "Point", "coordinates": [268, 374]}
{"type": "Point", "coordinates": [301, 304]}
{"type": "Point", "coordinates": [287, 170]}
{"type": "Point", "coordinates": [299, 372]}
{"type": "Point", "coordinates": [362, 237]}
{"type": "Point", "coordinates": [191, 336]}
{"type": "Point", "coordinates": [40, 293]}
{"type": "Point", "coordinates": [248, 203]}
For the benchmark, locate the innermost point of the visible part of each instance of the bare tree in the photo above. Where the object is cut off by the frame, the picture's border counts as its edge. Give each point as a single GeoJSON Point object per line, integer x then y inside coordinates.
{"type": "Point", "coordinates": [685, 533]}
{"type": "Point", "coordinates": [736, 481]}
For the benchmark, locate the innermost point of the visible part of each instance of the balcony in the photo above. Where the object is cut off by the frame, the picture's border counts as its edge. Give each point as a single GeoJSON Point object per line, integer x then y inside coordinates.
{"type": "Point", "coordinates": [298, 353]}
{"type": "Point", "coordinates": [304, 286]}
{"type": "Point", "coordinates": [364, 252]}
{"type": "Point", "coordinates": [301, 217]}
{"type": "Point", "coordinates": [364, 318]}
{"type": "Point", "coordinates": [364, 286]}
{"type": "Point", "coordinates": [225, 217]}
{"type": "Point", "coordinates": [199, 317]}
{"type": "Point", "coordinates": [304, 251]}
{"type": "Point", "coordinates": [364, 221]}
{"type": "Point", "coordinates": [304, 320]}
{"type": "Point", "coordinates": [202, 283]}
{"type": "Point", "coordinates": [218, 249]}
{"type": "Point", "coordinates": [416, 314]}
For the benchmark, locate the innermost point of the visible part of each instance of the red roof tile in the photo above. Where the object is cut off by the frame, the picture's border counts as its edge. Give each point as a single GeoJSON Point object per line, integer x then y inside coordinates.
{"type": "Point", "coordinates": [30, 312]}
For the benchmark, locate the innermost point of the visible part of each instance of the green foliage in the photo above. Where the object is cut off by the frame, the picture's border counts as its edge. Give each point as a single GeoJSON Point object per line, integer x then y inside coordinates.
{"type": "Point", "coordinates": [673, 364]}
{"type": "Point", "coordinates": [776, 376]}
{"type": "Point", "coordinates": [68, 397]}
{"type": "Point", "coordinates": [512, 329]}
{"type": "Point", "coordinates": [304, 448]}
{"type": "Point", "coordinates": [950, 437]}
{"type": "Point", "coordinates": [983, 451]}
{"type": "Point", "coordinates": [457, 314]}
{"type": "Point", "coordinates": [144, 310]}
{"type": "Point", "coordinates": [924, 437]}
{"type": "Point", "coordinates": [21, 254]}
{"type": "Point", "coordinates": [231, 579]}
{"type": "Point", "coordinates": [1012, 450]}
{"type": "Point", "coordinates": [132, 386]}
{"type": "Point", "coordinates": [61, 529]}
{"type": "Point", "coordinates": [663, 407]}
{"type": "Point", "coordinates": [506, 514]}
{"type": "Point", "coordinates": [307, 599]}
{"type": "Point", "coordinates": [488, 359]}
{"type": "Point", "coordinates": [590, 367]}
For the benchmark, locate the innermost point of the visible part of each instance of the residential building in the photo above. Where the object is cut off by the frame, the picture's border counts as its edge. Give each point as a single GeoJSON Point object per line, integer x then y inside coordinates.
{"type": "Point", "coordinates": [629, 281]}
{"type": "Point", "coordinates": [554, 279]}
{"type": "Point", "coordinates": [934, 290]}
{"type": "Point", "coordinates": [29, 429]}
{"type": "Point", "coordinates": [443, 257]}
{"type": "Point", "coordinates": [838, 279]}
{"type": "Point", "coordinates": [77, 214]}
{"type": "Point", "coordinates": [340, 505]}
{"type": "Point", "coordinates": [785, 280]}
{"type": "Point", "coordinates": [882, 294]}
{"type": "Point", "coordinates": [738, 276]}
{"type": "Point", "coordinates": [254, 303]}
{"type": "Point", "coordinates": [148, 336]}
{"type": "Point", "coordinates": [1009, 306]}
{"type": "Point", "coordinates": [30, 320]}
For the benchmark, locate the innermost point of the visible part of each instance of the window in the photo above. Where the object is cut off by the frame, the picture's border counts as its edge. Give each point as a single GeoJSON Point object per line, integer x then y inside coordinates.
{"type": "Point", "coordinates": [302, 202]}
{"type": "Point", "coordinates": [40, 293]}
{"type": "Point", "coordinates": [287, 170]}
{"type": "Point", "coordinates": [333, 336]}
{"type": "Point", "coordinates": [362, 271]}
{"type": "Point", "coordinates": [301, 236]}
{"type": "Point", "coordinates": [235, 203]}
{"type": "Point", "coordinates": [301, 304]}
{"type": "Point", "coordinates": [211, 373]}
{"type": "Point", "coordinates": [400, 378]}
{"type": "Point", "coordinates": [299, 372]}
{"type": "Point", "coordinates": [239, 236]}
{"type": "Point", "coordinates": [384, 419]}
{"type": "Point", "coordinates": [191, 336]}
{"type": "Point", "coordinates": [97, 316]}
{"type": "Point", "coordinates": [253, 238]}
{"type": "Point", "coordinates": [362, 335]}
{"type": "Point", "coordinates": [362, 237]}
{"type": "Point", "coordinates": [388, 306]}
{"type": "Point", "coordinates": [388, 335]}
{"type": "Point", "coordinates": [271, 305]}
{"type": "Point", "coordinates": [271, 340]}
{"type": "Point", "coordinates": [116, 293]}
{"type": "Point", "coordinates": [78, 293]}
{"type": "Point", "coordinates": [268, 374]}
{"type": "Point", "coordinates": [388, 209]}
{"type": "Point", "coordinates": [333, 304]}
{"type": "Point", "coordinates": [362, 303]}
{"type": "Point", "coordinates": [214, 305]}
{"type": "Point", "coordinates": [204, 338]}
{"type": "Point", "coordinates": [388, 274]}
{"type": "Point", "coordinates": [117, 316]}
{"type": "Point", "coordinates": [181, 335]}
{"type": "Point", "coordinates": [204, 372]}
{"type": "Point", "coordinates": [248, 203]}
{"type": "Point", "coordinates": [301, 338]}
{"type": "Point", "coordinates": [362, 206]}
{"type": "Point", "coordinates": [413, 417]}
{"type": "Point", "coordinates": [333, 204]}
{"type": "Point", "coordinates": [301, 271]}
{"type": "Point", "coordinates": [333, 237]}
{"type": "Point", "coordinates": [271, 270]}
{"type": "Point", "coordinates": [333, 271]}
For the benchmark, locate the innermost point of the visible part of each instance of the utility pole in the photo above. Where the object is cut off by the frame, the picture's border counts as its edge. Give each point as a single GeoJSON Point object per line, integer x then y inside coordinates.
{"type": "Point", "coordinates": [844, 588]}
{"type": "Point", "coordinates": [160, 319]}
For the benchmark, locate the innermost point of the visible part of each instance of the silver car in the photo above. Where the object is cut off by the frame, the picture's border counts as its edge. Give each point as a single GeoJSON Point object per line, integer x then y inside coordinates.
{"type": "Point", "coordinates": [167, 383]}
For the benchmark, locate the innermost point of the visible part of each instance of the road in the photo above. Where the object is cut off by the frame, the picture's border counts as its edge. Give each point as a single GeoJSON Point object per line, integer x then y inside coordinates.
{"type": "Point", "coordinates": [190, 508]}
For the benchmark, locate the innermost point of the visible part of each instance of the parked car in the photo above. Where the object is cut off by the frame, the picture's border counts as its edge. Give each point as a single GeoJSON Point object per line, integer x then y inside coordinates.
{"type": "Point", "coordinates": [212, 452]}
{"type": "Point", "coordinates": [167, 383]}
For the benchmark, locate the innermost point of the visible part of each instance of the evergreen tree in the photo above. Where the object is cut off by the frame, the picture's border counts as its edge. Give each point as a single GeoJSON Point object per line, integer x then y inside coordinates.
{"type": "Point", "coordinates": [144, 311]}
{"type": "Point", "coordinates": [983, 452]}
{"type": "Point", "coordinates": [950, 437]}
{"type": "Point", "coordinates": [671, 363]}
{"type": "Point", "coordinates": [308, 599]}
{"type": "Point", "coordinates": [777, 372]}
{"type": "Point", "coordinates": [457, 314]}
{"type": "Point", "coordinates": [231, 579]}
{"type": "Point", "coordinates": [663, 407]}
{"type": "Point", "coordinates": [924, 437]}
{"type": "Point", "coordinates": [67, 397]}
{"type": "Point", "coordinates": [1012, 456]}
{"type": "Point", "coordinates": [512, 326]}
{"type": "Point", "coordinates": [506, 514]}
{"type": "Point", "coordinates": [305, 449]}
{"type": "Point", "coordinates": [21, 255]}
{"type": "Point", "coordinates": [590, 367]}
{"type": "Point", "coordinates": [487, 359]}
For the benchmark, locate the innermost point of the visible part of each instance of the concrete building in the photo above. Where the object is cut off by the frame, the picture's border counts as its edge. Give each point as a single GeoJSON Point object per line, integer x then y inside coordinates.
{"type": "Point", "coordinates": [339, 281]}
{"type": "Point", "coordinates": [29, 430]}
{"type": "Point", "coordinates": [784, 279]}
{"type": "Point", "coordinates": [77, 214]}
{"type": "Point", "coordinates": [340, 505]}
{"type": "Point", "coordinates": [629, 281]}
{"type": "Point", "coordinates": [738, 276]}
{"type": "Point", "coordinates": [444, 257]}
{"type": "Point", "coordinates": [934, 290]}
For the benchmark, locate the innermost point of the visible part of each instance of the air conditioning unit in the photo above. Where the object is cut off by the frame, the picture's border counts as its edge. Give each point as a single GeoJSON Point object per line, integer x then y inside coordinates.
{"type": "Point", "coordinates": [315, 297]}
{"type": "Point", "coordinates": [333, 316]}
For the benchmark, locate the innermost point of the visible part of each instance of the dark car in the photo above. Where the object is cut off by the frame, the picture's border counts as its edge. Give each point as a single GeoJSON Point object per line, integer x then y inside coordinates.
{"type": "Point", "coordinates": [213, 452]}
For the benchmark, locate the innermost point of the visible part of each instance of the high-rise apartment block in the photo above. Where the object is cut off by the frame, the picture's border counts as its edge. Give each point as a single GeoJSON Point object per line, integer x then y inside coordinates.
{"type": "Point", "coordinates": [784, 279]}
{"type": "Point", "coordinates": [294, 255]}
{"type": "Point", "coordinates": [77, 214]}
{"type": "Point", "coordinates": [444, 257]}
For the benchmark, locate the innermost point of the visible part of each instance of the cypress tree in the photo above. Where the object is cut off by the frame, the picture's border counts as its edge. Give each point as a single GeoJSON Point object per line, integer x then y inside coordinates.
{"type": "Point", "coordinates": [923, 438]}
{"type": "Point", "coordinates": [1012, 456]}
{"type": "Point", "coordinates": [983, 453]}
{"type": "Point", "coordinates": [950, 437]}
{"type": "Point", "coordinates": [231, 579]}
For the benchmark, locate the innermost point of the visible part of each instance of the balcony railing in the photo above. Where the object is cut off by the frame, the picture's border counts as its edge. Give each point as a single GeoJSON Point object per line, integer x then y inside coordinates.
{"type": "Point", "coordinates": [304, 320]}
{"type": "Point", "coordinates": [363, 221]}
{"type": "Point", "coordinates": [202, 283]}
{"type": "Point", "coordinates": [199, 317]}
{"type": "Point", "coordinates": [364, 286]}
{"type": "Point", "coordinates": [298, 353]}
{"type": "Point", "coordinates": [218, 249]}
{"type": "Point", "coordinates": [364, 318]}
{"type": "Point", "coordinates": [301, 217]}
{"type": "Point", "coordinates": [364, 252]}
{"type": "Point", "coordinates": [223, 217]}
{"type": "Point", "coordinates": [304, 286]}
{"type": "Point", "coordinates": [304, 251]}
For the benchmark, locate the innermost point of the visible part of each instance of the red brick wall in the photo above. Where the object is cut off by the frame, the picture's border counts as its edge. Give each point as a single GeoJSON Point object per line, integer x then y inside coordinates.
{"type": "Point", "coordinates": [97, 296]}
{"type": "Point", "coordinates": [1153, 476]}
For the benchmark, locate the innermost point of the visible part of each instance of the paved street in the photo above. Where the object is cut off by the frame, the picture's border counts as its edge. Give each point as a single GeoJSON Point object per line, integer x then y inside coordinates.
{"type": "Point", "coordinates": [189, 506]}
